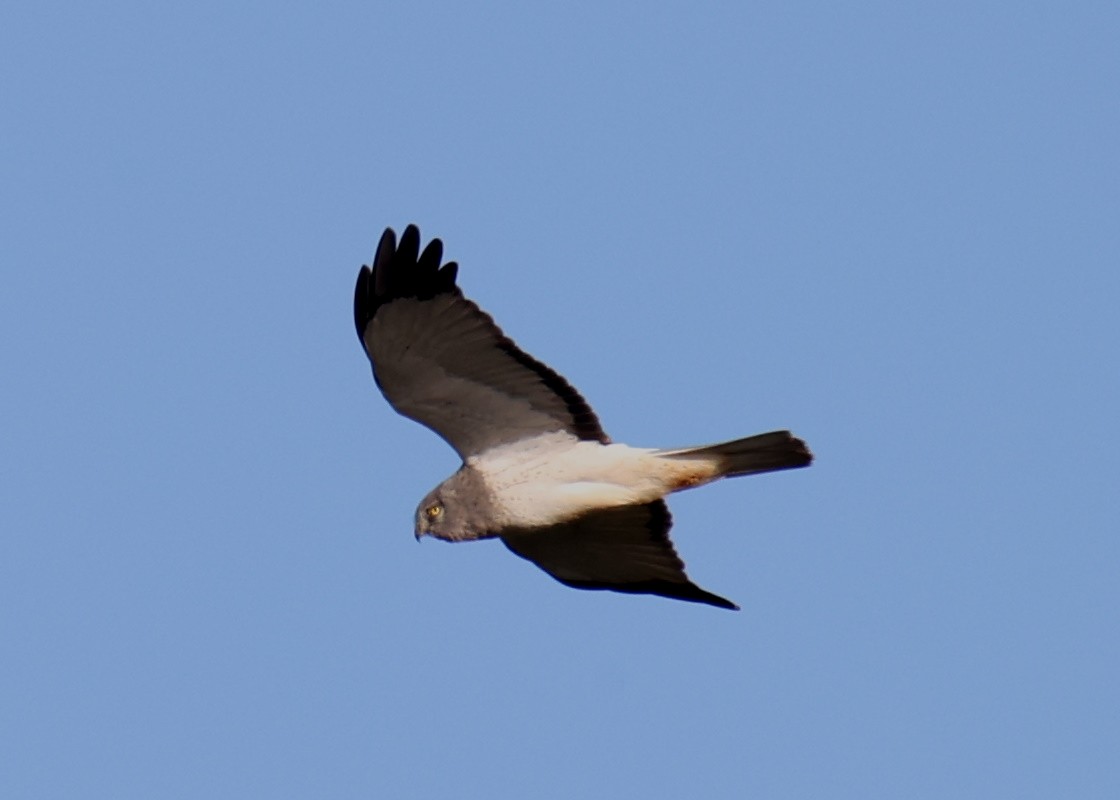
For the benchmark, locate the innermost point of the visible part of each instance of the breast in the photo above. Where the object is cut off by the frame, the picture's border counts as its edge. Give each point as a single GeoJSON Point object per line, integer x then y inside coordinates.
{"type": "Point", "coordinates": [555, 477]}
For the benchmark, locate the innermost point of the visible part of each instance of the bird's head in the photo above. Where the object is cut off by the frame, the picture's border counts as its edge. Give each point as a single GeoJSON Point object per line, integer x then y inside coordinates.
{"type": "Point", "coordinates": [457, 510]}
{"type": "Point", "coordinates": [437, 515]}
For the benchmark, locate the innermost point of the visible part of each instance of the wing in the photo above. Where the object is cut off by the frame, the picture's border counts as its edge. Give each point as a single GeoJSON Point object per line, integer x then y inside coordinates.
{"type": "Point", "coordinates": [440, 360]}
{"type": "Point", "coordinates": [624, 549]}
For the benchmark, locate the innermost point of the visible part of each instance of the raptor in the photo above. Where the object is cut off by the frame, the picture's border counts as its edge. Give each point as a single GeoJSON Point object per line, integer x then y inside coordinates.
{"type": "Point", "coordinates": [538, 470]}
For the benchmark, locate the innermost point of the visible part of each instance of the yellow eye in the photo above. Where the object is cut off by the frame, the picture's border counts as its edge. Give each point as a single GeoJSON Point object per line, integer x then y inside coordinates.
{"type": "Point", "coordinates": [433, 511]}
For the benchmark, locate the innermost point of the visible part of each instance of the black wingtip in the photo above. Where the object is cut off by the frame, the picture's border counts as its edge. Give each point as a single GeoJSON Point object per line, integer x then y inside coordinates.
{"type": "Point", "coordinates": [386, 246]}
{"type": "Point", "coordinates": [399, 269]}
{"type": "Point", "coordinates": [409, 248]}
{"type": "Point", "coordinates": [361, 292]}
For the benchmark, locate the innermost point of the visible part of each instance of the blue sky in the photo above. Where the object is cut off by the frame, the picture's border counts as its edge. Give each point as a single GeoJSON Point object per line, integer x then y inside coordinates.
{"type": "Point", "coordinates": [890, 228]}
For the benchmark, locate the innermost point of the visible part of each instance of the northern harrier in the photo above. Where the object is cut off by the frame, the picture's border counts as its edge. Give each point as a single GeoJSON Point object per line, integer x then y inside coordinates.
{"type": "Point", "coordinates": [538, 471]}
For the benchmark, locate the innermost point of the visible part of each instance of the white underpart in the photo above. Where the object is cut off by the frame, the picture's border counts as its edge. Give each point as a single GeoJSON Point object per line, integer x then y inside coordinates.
{"type": "Point", "coordinates": [553, 477]}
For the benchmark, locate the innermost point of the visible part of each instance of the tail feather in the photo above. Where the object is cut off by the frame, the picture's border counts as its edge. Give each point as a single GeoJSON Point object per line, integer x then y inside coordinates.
{"type": "Point", "coordinates": [766, 452]}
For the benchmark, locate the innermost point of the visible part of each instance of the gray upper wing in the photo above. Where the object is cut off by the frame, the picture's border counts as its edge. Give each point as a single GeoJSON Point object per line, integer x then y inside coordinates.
{"type": "Point", "coordinates": [624, 549]}
{"type": "Point", "coordinates": [440, 360]}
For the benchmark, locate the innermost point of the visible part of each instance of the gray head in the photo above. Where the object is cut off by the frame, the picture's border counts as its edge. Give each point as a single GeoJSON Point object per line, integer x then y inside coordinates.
{"type": "Point", "coordinates": [455, 510]}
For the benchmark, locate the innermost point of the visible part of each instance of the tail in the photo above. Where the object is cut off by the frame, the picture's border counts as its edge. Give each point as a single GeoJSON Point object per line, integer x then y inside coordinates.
{"type": "Point", "coordinates": [765, 452]}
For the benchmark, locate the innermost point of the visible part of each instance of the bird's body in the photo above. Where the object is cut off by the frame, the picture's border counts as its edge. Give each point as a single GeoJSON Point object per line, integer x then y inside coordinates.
{"type": "Point", "coordinates": [555, 477]}
{"type": "Point", "coordinates": [538, 470]}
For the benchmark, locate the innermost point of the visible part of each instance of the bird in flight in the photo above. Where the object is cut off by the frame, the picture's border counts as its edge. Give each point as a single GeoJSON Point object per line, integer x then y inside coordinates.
{"type": "Point", "coordinates": [538, 471]}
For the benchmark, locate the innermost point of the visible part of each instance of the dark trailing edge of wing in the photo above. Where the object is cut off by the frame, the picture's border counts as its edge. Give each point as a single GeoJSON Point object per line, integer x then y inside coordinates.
{"type": "Point", "coordinates": [659, 524]}
{"type": "Point", "coordinates": [401, 270]}
{"type": "Point", "coordinates": [676, 591]}
{"type": "Point", "coordinates": [656, 527]}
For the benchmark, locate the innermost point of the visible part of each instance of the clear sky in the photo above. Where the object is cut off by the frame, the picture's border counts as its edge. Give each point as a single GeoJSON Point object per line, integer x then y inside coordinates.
{"type": "Point", "coordinates": [892, 229]}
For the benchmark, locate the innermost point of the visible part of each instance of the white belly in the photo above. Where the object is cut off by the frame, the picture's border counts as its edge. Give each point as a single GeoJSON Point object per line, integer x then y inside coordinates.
{"type": "Point", "coordinates": [553, 478]}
